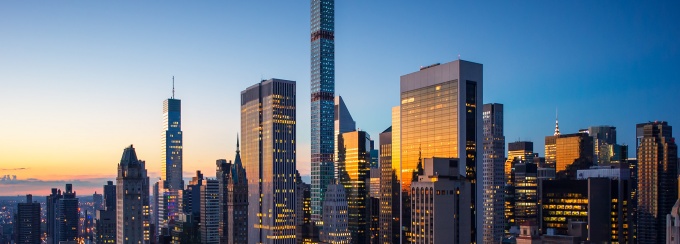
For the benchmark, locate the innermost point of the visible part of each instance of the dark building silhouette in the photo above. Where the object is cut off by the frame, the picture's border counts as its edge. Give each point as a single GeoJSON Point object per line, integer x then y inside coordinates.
{"type": "Point", "coordinates": [27, 222]}
{"type": "Point", "coordinates": [105, 219]}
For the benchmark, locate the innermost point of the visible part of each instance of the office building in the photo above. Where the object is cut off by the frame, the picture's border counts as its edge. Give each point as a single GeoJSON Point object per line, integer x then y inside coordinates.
{"type": "Point", "coordinates": [524, 150]}
{"type": "Point", "coordinates": [335, 228]}
{"type": "Point", "coordinates": [132, 195]}
{"type": "Point", "coordinates": [657, 165]}
{"type": "Point", "coordinates": [68, 216]}
{"type": "Point", "coordinates": [440, 203]}
{"type": "Point", "coordinates": [105, 219]}
{"type": "Point", "coordinates": [233, 194]}
{"type": "Point", "coordinates": [268, 139]}
{"type": "Point", "coordinates": [171, 161]}
{"type": "Point", "coordinates": [389, 188]}
{"type": "Point", "coordinates": [322, 36]}
{"type": "Point", "coordinates": [522, 194]}
{"type": "Point", "coordinates": [210, 211]}
{"type": "Point", "coordinates": [27, 222]}
{"type": "Point", "coordinates": [52, 204]}
{"type": "Point", "coordinates": [439, 118]}
{"type": "Point", "coordinates": [603, 137]}
{"type": "Point", "coordinates": [353, 172]}
{"type": "Point", "coordinates": [573, 149]}
{"type": "Point", "coordinates": [493, 173]}
{"type": "Point", "coordinates": [191, 197]}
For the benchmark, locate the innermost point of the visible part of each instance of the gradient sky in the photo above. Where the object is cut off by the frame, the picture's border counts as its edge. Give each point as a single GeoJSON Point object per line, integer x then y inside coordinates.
{"type": "Point", "coordinates": [81, 80]}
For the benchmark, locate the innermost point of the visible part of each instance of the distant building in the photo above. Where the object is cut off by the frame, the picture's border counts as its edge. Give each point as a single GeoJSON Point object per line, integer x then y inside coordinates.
{"type": "Point", "coordinates": [529, 234]}
{"type": "Point", "coordinates": [524, 150]}
{"type": "Point", "coordinates": [53, 216]}
{"type": "Point", "coordinates": [105, 219]}
{"type": "Point", "coordinates": [210, 212]}
{"type": "Point", "coordinates": [67, 216]}
{"type": "Point", "coordinates": [132, 209]}
{"type": "Point", "coordinates": [353, 172]}
{"type": "Point", "coordinates": [268, 132]}
{"type": "Point", "coordinates": [172, 182]}
{"type": "Point", "coordinates": [27, 222]}
{"type": "Point", "coordinates": [657, 168]}
{"type": "Point", "coordinates": [493, 173]}
{"type": "Point", "coordinates": [440, 204]}
{"type": "Point", "coordinates": [673, 224]}
{"type": "Point", "coordinates": [573, 147]}
{"type": "Point", "coordinates": [389, 187]}
{"type": "Point", "coordinates": [233, 185]}
{"type": "Point", "coordinates": [603, 137]}
{"type": "Point", "coordinates": [614, 225]}
{"type": "Point", "coordinates": [522, 199]}
{"type": "Point", "coordinates": [335, 216]}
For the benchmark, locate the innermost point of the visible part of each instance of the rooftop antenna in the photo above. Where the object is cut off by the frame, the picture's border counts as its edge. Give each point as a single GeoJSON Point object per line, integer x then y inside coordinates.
{"type": "Point", "coordinates": [459, 56]}
{"type": "Point", "coordinates": [173, 87]}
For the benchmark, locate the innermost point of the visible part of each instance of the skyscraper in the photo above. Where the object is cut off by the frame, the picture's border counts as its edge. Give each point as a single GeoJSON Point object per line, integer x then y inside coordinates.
{"type": "Point", "coordinates": [353, 173]}
{"type": "Point", "coordinates": [343, 122]}
{"type": "Point", "coordinates": [335, 216]}
{"type": "Point", "coordinates": [439, 118]}
{"type": "Point", "coordinates": [494, 172]}
{"type": "Point", "coordinates": [322, 28]}
{"type": "Point", "coordinates": [572, 147]}
{"type": "Point", "coordinates": [233, 185]}
{"type": "Point", "coordinates": [389, 185]}
{"type": "Point", "coordinates": [657, 181]}
{"type": "Point", "coordinates": [210, 211]}
{"type": "Point", "coordinates": [68, 215]}
{"type": "Point", "coordinates": [603, 137]}
{"type": "Point", "coordinates": [27, 222]}
{"type": "Point", "coordinates": [268, 139]}
{"type": "Point", "coordinates": [53, 216]}
{"type": "Point", "coordinates": [171, 160]}
{"type": "Point", "coordinates": [523, 150]}
{"type": "Point", "coordinates": [132, 195]}
{"type": "Point", "coordinates": [105, 220]}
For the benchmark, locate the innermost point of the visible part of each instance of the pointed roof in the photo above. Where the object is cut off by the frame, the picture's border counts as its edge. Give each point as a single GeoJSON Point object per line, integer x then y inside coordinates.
{"type": "Point", "coordinates": [129, 156]}
{"type": "Point", "coordinates": [236, 166]}
{"type": "Point", "coordinates": [389, 129]}
{"type": "Point", "coordinates": [557, 124]}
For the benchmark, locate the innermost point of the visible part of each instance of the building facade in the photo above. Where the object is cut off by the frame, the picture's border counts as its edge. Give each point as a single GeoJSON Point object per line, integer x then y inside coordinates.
{"type": "Point", "coordinates": [210, 211]}
{"type": "Point", "coordinates": [524, 150]}
{"type": "Point", "coordinates": [132, 200]}
{"type": "Point", "coordinates": [268, 140]}
{"type": "Point", "coordinates": [105, 220]}
{"type": "Point", "coordinates": [68, 216]}
{"type": "Point", "coordinates": [322, 80]}
{"type": "Point", "coordinates": [353, 172]}
{"type": "Point", "coordinates": [572, 147]}
{"type": "Point", "coordinates": [440, 204]}
{"type": "Point", "coordinates": [657, 169]}
{"type": "Point", "coordinates": [439, 118]}
{"type": "Point", "coordinates": [27, 222]}
{"type": "Point", "coordinates": [335, 228]}
{"type": "Point", "coordinates": [493, 173]}
{"type": "Point", "coordinates": [389, 191]}
{"type": "Point", "coordinates": [236, 203]}
{"type": "Point", "coordinates": [172, 182]}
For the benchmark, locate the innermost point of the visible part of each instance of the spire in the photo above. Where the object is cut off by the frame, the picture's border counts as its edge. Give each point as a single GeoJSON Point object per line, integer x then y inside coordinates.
{"type": "Point", "coordinates": [173, 87]}
{"type": "Point", "coordinates": [557, 124]}
{"type": "Point", "coordinates": [237, 146]}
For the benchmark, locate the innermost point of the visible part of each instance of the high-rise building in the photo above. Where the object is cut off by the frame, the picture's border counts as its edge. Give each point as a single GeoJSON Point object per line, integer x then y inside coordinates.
{"type": "Point", "coordinates": [440, 203]}
{"type": "Point", "coordinates": [523, 150]}
{"type": "Point", "coordinates": [657, 181]}
{"type": "Point", "coordinates": [268, 131]}
{"type": "Point", "coordinates": [233, 185]}
{"type": "Point", "coordinates": [322, 36]}
{"type": "Point", "coordinates": [68, 215]}
{"type": "Point", "coordinates": [105, 220]}
{"type": "Point", "coordinates": [439, 118]}
{"type": "Point", "coordinates": [52, 204]}
{"type": "Point", "coordinates": [171, 160]}
{"type": "Point", "coordinates": [27, 222]}
{"type": "Point", "coordinates": [603, 136]}
{"type": "Point", "coordinates": [343, 122]}
{"type": "Point", "coordinates": [191, 197]}
{"type": "Point", "coordinates": [572, 147]}
{"type": "Point", "coordinates": [132, 196]}
{"type": "Point", "coordinates": [97, 200]}
{"type": "Point", "coordinates": [353, 172]}
{"type": "Point", "coordinates": [210, 211]}
{"type": "Point", "coordinates": [494, 173]}
{"type": "Point", "coordinates": [374, 188]}
{"type": "Point", "coordinates": [335, 228]}
{"type": "Point", "coordinates": [522, 194]}
{"type": "Point", "coordinates": [389, 186]}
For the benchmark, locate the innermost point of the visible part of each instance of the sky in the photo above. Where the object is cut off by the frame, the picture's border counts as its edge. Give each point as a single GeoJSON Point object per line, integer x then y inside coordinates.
{"type": "Point", "coordinates": [82, 80]}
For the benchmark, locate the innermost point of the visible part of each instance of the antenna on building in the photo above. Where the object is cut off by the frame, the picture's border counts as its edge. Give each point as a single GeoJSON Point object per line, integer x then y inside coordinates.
{"type": "Point", "coordinates": [173, 87]}
{"type": "Point", "coordinates": [459, 56]}
{"type": "Point", "coordinates": [557, 124]}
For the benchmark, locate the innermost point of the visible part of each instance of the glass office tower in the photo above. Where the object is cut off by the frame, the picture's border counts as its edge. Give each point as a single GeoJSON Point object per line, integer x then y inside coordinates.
{"type": "Point", "coordinates": [322, 99]}
{"type": "Point", "coordinates": [171, 162]}
{"type": "Point", "coordinates": [268, 155]}
{"type": "Point", "coordinates": [353, 173]}
{"type": "Point", "coordinates": [440, 118]}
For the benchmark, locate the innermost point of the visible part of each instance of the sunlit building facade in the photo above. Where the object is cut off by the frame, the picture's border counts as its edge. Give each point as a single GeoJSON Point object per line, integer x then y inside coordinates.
{"type": "Point", "coordinates": [440, 118]}
{"type": "Point", "coordinates": [571, 147]}
{"type": "Point", "coordinates": [657, 182]}
{"type": "Point", "coordinates": [322, 81]}
{"type": "Point", "coordinates": [493, 173]}
{"type": "Point", "coordinates": [132, 196]}
{"type": "Point", "coordinates": [523, 150]}
{"type": "Point", "coordinates": [268, 154]}
{"type": "Point", "coordinates": [389, 187]}
{"type": "Point", "coordinates": [353, 173]}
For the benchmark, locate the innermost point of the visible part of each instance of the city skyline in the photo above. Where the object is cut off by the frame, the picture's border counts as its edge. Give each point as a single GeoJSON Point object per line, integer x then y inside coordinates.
{"type": "Point", "coordinates": [78, 113]}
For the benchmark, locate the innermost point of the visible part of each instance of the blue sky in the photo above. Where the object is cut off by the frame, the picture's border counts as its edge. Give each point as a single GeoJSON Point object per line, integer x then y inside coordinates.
{"type": "Point", "coordinates": [83, 79]}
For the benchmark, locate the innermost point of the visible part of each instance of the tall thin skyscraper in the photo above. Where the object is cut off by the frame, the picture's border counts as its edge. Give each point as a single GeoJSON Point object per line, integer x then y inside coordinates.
{"type": "Point", "coordinates": [171, 159]}
{"type": "Point", "coordinates": [268, 140]}
{"type": "Point", "coordinates": [132, 207]}
{"type": "Point", "coordinates": [389, 191]}
{"type": "Point", "coordinates": [440, 118]}
{"type": "Point", "coordinates": [53, 216]}
{"type": "Point", "coordinates": [322, 28]}
{"type": "Point", "coordinates": [210, 211]}
{"type": "Point", "coordinates": [494, 173]}
{"type": "Point", "coordinates": [27, 222]}
{"type": "Point", "coordinates": [657, 181]}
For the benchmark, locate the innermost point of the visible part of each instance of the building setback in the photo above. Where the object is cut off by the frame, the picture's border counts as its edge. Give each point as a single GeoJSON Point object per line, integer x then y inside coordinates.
{"type": "Point", "coordinates": [322, 81]}
{"type": "Point", "coordinates": [132, 196]}
{"type": "Point", "coordinates": [440, 203]}
{"type": "Point", "coordinates": [494, 173]}
{"type": "Point", "coordinates": [268, 140]}
{"type": "Point", "coordinates": [657, 169]}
